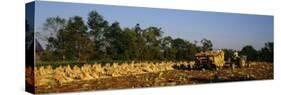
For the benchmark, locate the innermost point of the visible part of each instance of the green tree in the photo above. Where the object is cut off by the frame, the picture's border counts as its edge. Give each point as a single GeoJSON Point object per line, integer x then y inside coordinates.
{"type": "Point", "coordinates": [128, 40]}
{"type": "Point", "coordinates": [139, 51]}
{"type": "Point", "coordinates": [207, 44]}
{"type": "Point", "coordinates": [166, 43]}
{"type": "Point", "coordinates": [250, 52]}
{"type": "Point", "coordinates": [191, 50]}
{"type": "Point", "coordinates": [113, 36]}
{"type": "Point", "coordinates": [267, 52]}
{"type": "Point", "coordinates": [181, 47]}
{"type": "Point", "coordinates": [152, 40]}
{"type": "Point", "coordinates": [228, 53]}
{"type": "Point", "coordinates": [98, 26]}
{"type": "Point", "coordinates": [53, 25]}
{"type": "Point", "coordinates": [72, 42]}
{"type": "Point", "coordinates": [78, 32]}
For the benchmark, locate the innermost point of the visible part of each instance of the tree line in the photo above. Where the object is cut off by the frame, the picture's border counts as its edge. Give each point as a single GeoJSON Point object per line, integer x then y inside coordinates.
{"type": "Point", "coordinates": [266, 53]}
{"type": "Point", "coordinates": [97, 39]}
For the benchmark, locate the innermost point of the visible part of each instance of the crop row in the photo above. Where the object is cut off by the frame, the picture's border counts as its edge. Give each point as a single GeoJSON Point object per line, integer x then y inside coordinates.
{"type": "Point", "coordinates": [47, 75]}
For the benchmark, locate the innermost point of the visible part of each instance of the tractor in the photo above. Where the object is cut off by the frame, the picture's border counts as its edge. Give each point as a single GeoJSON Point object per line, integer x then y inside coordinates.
{"type": "Point", "coordinates": [214, 60]}
{"type": "Point", "coordinates": [237, 61]}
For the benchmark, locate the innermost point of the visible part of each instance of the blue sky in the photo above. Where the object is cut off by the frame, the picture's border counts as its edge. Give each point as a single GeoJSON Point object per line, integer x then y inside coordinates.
{"type": "Point", "coordinates": [226, 30]}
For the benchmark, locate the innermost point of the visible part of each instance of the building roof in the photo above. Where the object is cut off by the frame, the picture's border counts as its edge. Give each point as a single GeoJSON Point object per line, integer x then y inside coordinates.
{"type": "Point", "coordinates": [38, 46]}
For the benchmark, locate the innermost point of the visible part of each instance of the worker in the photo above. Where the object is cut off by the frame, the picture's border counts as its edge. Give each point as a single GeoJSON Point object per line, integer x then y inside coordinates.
{"type": "Point", "coordinates": [236, 54]}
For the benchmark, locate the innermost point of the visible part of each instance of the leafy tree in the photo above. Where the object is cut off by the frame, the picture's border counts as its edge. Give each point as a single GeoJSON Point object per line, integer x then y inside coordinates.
{"type": "Point", "coordinates": [96, 24]}
{"type": "Point", "coordinates": [98, 27]}
{"type": "Point", "coordinates": [139, 51]}
{"type": "Point", "coordinates": [72, 42]}
{"type": "Point", "coordinates": [180, 45]}
{"type": "Point", "coordinates": [207, 44]}
{"type": "Point", "coordinates": [129, 39]}
{"type": "Point", "coordinates": [166, 43]}
{"type": "Point", "coordinates": [53, 25]}
{"type": "Point", "coordinates": [250, 52]}
{"type": "Point", "coordinates": [191, 50]}
{"type": "Point", "coordinates": [266, 53]}
{"type": "Point", "coordinates": [152, 42]}
{"type": "Point", "coordinates": [112, 35]}
{"type": "Point", "coordinates": [78, 32]}
{"type": "Point", "coordinates": [228, 53]}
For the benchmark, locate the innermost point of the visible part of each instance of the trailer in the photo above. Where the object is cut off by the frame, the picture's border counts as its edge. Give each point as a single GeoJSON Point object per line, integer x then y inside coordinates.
{"type": "Point", "coordinates": [209, 60]}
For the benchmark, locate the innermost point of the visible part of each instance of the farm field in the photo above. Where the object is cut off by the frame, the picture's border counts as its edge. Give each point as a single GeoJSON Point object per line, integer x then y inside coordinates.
{"type": "Point", "coordinates": [100, 47]}
{"type": "Point", "coordinates": [92, 77]}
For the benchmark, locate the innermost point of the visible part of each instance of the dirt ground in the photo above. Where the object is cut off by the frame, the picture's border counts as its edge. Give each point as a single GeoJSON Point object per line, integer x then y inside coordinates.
{"type": "Point", "coordinates": [259, 71]}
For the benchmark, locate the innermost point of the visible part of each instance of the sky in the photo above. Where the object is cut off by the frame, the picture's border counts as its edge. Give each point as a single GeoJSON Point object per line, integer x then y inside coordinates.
{"type": "Point", "coordinates": [225, 30]}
